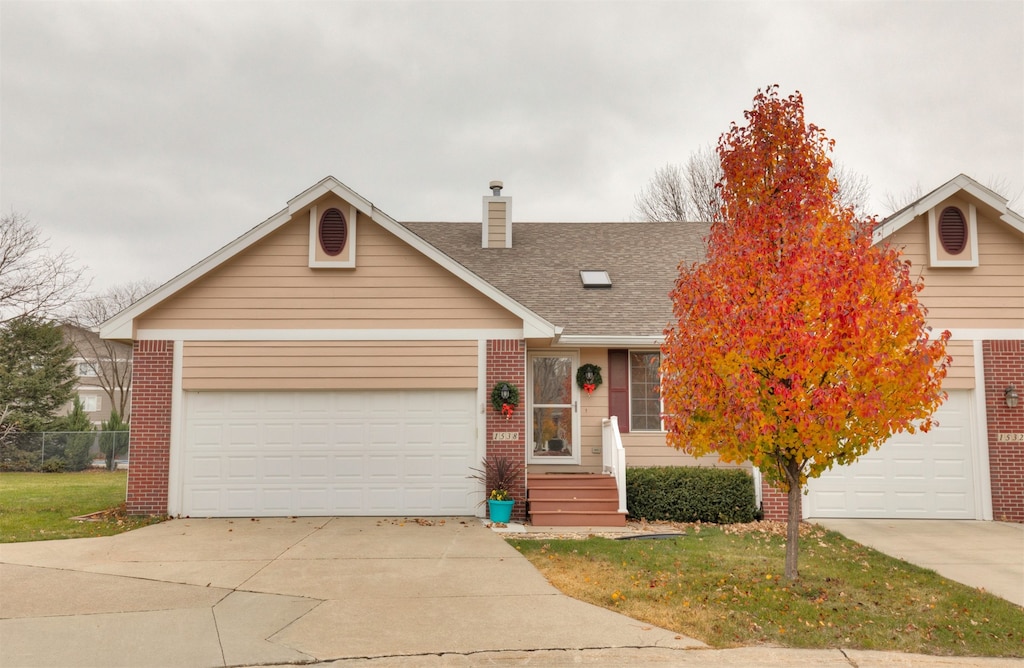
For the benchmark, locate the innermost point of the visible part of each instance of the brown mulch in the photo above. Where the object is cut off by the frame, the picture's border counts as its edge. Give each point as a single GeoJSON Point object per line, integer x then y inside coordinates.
{"type": "Point", "coordinates": [641, 527]}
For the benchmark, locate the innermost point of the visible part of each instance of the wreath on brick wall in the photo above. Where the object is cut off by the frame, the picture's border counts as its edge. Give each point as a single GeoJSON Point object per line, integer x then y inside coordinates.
{"type": "Point", "coordinates": [588, 378]}
{"type": "Point", "coordinates": [505, 398]}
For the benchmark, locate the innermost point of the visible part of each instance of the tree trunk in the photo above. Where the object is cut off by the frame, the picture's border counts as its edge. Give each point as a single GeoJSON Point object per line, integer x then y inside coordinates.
{"type": "Point", "coordinates": [793, 520]}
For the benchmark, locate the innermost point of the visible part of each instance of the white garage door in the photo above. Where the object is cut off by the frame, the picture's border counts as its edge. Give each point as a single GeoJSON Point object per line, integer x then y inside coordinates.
{"type": "Point", "coordinates": [328, 453]}
{"type": "Point", "coordinates": [911, 476]}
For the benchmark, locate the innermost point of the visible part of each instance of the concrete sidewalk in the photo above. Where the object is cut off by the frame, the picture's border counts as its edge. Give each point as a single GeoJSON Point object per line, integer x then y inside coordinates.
{"type": "Point", "coordinates": [987, 555]}
{"type": "Point", "coordinates": [352, 591]}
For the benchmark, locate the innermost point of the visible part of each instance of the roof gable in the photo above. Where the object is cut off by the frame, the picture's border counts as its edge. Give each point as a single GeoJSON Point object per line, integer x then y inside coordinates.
{"type": "Point", "coordinates": [960, 184]}
{"type": "Point", "coordinates": [122, 326]}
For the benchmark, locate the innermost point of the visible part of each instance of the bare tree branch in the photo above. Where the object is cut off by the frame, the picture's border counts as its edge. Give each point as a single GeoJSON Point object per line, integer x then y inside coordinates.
{"type": "Point", "coordinates": [665, 197]}
{"type": "Point", "coordinates": [110, 361]}
{"type": "Point", "coordinates": [896, 201]}
{"type": "Point", "coordinates": [34, 281]}
{"type": "Point", "coordinates": [703, 172]}
{"type": "Point", "coordinates": [854, 189]}
{"type": "Point", "coordinates": [691, 192]}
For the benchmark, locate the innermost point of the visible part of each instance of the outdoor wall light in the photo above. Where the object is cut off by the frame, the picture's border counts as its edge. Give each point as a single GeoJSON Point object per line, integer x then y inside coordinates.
{"type": "Point", "coordinates": [1010, 395]}
{"type": "Point", "coordinates": [506, 393]}
{"type": "Point", "coordinates": [588, 375]}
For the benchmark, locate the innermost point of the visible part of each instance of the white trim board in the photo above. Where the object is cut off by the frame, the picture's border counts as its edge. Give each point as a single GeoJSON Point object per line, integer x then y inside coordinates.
{"type": "Point", "coordinates": [328, 334]}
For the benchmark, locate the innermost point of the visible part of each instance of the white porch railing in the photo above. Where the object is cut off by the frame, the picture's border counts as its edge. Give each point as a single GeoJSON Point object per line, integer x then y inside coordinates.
{"type": "Point", "coordinates": [614, 456]}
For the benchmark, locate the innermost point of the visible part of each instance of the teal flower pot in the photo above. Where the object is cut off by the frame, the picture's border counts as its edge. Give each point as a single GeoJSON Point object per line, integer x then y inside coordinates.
{"type": "Point", "coordinates": [500, 511]}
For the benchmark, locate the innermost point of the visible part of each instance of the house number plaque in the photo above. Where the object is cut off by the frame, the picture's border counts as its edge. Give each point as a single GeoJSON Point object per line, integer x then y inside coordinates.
{"type": "Point", "coordinates": [506, 436]}
{"type": "Point", "coordinates": [1010, 438]}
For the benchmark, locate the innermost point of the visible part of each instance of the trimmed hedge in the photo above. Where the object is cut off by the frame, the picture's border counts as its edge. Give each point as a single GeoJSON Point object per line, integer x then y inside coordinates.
{"type": "Point", "coordinates": [690, 494]}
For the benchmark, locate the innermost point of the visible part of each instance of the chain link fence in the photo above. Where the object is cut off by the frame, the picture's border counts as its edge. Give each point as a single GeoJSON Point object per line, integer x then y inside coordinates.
{"type": "Point", "coordinates": [55, 451]}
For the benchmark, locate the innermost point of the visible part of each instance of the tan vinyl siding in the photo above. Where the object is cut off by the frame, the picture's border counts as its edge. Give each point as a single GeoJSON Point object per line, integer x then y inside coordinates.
{"type": "Point", "coordinates": [651, 449]}
{"type": "Point", "coordinates": [960, 375]}
{"type": "Point", "coordinates": [989, 296]}
{"type": "Point", "coordinates": [496, 221]}
{"type": "Point", "coordinates": [270, 285]}
{"type": "Point", "coordinates": [329, 365]}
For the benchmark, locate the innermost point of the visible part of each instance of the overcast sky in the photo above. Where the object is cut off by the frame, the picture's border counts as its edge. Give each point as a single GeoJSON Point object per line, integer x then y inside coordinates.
{"type": "Point", "coordinates": [146, 135]}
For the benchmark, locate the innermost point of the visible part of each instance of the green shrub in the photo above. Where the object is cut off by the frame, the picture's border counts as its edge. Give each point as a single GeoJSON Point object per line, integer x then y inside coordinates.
{"type": "Point", "coordinates": [77, 450]}
{"type": "Point", "coordinates": [54, 465]}
{"type": "Point", "coordinates": [14, 459]}
{"type": "Point", "coordinates": [690, 494]}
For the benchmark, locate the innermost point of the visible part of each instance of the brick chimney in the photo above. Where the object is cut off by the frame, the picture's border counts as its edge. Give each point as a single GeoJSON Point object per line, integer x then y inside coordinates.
{"type": "Point", "coordinates": [497, 228]}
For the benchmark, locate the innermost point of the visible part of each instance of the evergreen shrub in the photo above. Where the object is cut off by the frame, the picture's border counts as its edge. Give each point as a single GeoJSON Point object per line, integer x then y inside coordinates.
{"type": "Point", "coordinates": [690, 494]}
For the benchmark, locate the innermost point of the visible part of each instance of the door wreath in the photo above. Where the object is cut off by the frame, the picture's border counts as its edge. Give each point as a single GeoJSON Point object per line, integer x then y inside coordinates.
{"type": "Point", "coordinates": [588, 378]}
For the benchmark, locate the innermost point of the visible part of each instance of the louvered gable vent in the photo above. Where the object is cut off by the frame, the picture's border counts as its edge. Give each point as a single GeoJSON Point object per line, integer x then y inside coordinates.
{"type": "Point", "coordinates": [952, 230]}
{"type": "Point", "coordinates": [333, 231]}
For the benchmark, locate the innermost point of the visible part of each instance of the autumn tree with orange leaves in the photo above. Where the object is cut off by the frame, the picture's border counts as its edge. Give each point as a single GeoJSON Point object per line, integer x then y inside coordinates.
{"type": "Point", "coordinates": [797, 344]}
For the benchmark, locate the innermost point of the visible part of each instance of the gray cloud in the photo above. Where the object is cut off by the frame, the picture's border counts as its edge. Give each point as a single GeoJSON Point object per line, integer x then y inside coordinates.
{"type": "Point", "coordinates": [146, 135]}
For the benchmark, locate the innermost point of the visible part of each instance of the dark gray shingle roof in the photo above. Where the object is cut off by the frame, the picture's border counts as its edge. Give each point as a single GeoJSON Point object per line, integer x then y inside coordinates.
{"type": "Point", "coordinates": [542, 269]}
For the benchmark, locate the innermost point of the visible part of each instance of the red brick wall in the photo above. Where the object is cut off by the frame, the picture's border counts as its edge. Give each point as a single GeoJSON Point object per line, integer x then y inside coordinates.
{"type": "Point", "coordinates": [1004, 366]}
{"type": "Point", "coordinates": [774, 502]}
{"type": "Point", "coordinates": [150, 441]}
{"type": "Point", "coordinates": [506, 362]}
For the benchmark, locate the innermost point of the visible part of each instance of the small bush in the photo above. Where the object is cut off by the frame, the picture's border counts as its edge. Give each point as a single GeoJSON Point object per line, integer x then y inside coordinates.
{"type": "Point", "coordinates": [54, 465]}
{"type": "Point", "coordinates": [690, 494]}
{"type": "Point", "coordinates": [13, 459]}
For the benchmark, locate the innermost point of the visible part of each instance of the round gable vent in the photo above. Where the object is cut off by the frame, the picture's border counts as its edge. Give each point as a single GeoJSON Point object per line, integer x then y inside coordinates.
{"type": "Point", "coordinates": [333, 231]}
{"type": "Point", "coordinates": [952, 230]}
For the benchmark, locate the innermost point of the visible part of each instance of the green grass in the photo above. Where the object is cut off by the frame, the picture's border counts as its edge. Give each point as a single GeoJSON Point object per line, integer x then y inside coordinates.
{"type": "Point", "coordinates": [39, 506]}
{"type": "Point", "coordinates": [727, 590]}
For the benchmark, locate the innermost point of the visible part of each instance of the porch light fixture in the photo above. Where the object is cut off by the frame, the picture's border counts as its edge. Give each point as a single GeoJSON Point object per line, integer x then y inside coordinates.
{"type": "Point", "coordinates": [504, 392]}
{"type": "Point", "coordinates": [1010, 396]}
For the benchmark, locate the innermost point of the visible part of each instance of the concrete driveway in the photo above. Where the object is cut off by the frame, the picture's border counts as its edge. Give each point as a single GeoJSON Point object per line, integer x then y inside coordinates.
{"type": "Point", "coordinates": [240, 592]}
{"type": "Point", "coordinates": [351, 591]}
{"type": "Point", "coordinates": [989, 555]}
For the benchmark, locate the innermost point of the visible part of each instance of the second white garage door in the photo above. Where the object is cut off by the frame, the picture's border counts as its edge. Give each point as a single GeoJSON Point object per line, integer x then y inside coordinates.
{"type": "Point", "coordinates": [925, 475]}
{"type": "Point", "coordinates": [328, 453]}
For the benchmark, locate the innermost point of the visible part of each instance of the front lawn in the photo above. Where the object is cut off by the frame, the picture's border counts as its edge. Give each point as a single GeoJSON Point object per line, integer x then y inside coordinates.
{"type": "Point", "coordinates": [724, 586]}
{"type": "Point", "coordinates": [39, 506]}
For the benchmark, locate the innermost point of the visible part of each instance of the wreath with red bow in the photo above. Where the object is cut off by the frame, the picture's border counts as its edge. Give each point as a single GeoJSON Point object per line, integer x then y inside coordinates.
{"type": "Point", "coordinates": [588, 378]}
{"type": "Point", "coordinates": [506, 405]}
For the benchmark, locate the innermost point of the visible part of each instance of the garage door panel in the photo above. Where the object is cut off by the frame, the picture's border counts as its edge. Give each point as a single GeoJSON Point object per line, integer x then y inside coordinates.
{"type": "Point", "coordinates": [241, 405]}
{"type": "Point", "coordinates": [206, 436]}
{"type": "Point", "coordinates": [336, 453]}
{"type": "Point", "coordinates": [907, 470]}
{"type": "Point", "coordinates": [277, 467]}
{"type": "Point", "coordinates": [313, 468]}
{"type": "Point", "coordinates": [919, 475]}
{"type": "Point", "coordinates": [911, 503]}
{"type": "Point", "coordinates": [243, 469]}
{"type": "Point", "coordinates": [950, 469]}
{"type": "Point", "coordinates": [278, 435]}
{"type": "Point", "coordinates": [277, 500]}
{"type": "Point", "coordinates": [870, 502]}
{"type": "Point", "coordinates": [240, 499]}
{"type": "Point", "coordinates": [205, 468]}
{"type": "Point", "coordinates": [949, 504]}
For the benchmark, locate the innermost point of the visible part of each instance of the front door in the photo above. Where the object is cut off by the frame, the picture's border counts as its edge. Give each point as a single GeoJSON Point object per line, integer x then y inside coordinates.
{"type": "Point", "coordinates": [554, 423]}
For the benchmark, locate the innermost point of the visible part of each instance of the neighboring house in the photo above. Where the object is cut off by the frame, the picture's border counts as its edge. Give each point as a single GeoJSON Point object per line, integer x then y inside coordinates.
{"type": "Point", "coordinates": [103, 371]}
{"type": "Point", "coordinates": [332, 361]}
{"type": "Point", "coordinates": [969, 247]}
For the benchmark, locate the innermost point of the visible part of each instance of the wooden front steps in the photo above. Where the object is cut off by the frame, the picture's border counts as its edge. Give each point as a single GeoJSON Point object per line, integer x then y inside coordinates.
{"type": "Point", "coordinates": [574, 499]}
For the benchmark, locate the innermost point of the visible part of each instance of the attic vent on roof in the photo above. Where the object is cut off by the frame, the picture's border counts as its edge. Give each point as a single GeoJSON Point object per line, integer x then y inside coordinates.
{"type": "Point", "coordinates": [594, 278]}
{"type": "Point", "coordinates": [952, 230]}
{"type": "Point", "coordinates": [333, 231]}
